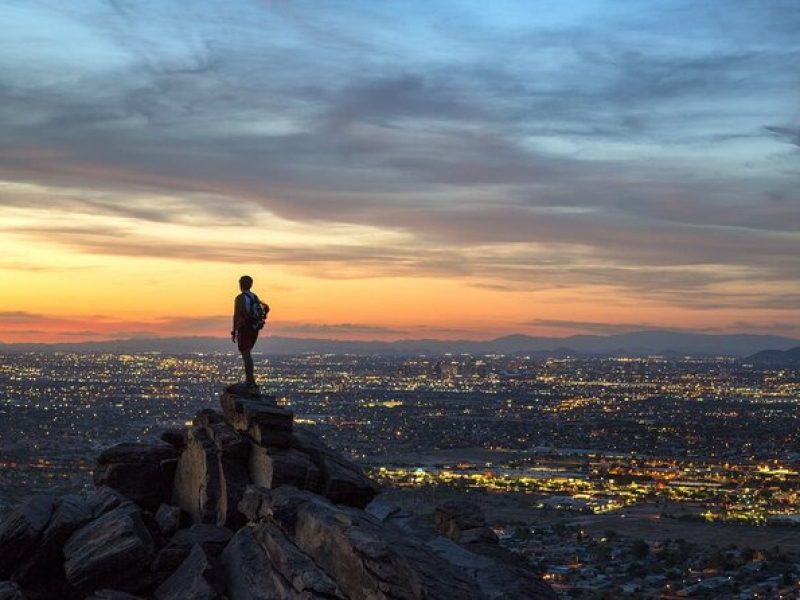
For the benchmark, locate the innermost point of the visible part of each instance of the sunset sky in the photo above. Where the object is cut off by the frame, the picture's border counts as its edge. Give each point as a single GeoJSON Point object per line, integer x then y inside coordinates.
{"type": "Point", "coordinates": [399, 169]}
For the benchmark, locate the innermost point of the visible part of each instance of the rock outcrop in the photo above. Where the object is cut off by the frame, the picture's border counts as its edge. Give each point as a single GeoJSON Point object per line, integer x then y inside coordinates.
{"type": "Point", "coordinates": [243, 505]}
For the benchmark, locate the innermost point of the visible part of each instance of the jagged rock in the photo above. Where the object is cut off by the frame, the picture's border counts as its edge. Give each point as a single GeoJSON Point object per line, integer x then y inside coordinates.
{"type": "Point", "coordinates": [234, 456]}
{"type": "Point", "coordinates": [341, 481]}
{"type": "Point", "coordinates": [269, 425]}
{"type": "Point", "coordinates": [167, 562]}
{"type": "Point", "coordinates": [203, 535]}
{"type": "Point", "coordinates": [72, 512]}
{"type": "Point", "coordinates": [211, 538]}
{"type": "Point", "coordinates": [197, 488]}
{"type": "Point", "coordinates": [365, 559]}
{"type": "Point", "coordinates": [112, 595]}
{"type": "Point", "coordinates": [497, 572]}
{"type": "Point", "coordinates": [196, 579]}
{"type": "Point", "coordinates": [296, 569]}
{"type": "Point", "coordinates": [255, 504]}
{"type": "Point", "coordinates": [42, 567]}
{"type": "Point", "coordinates": [21, 531]}
{"type": "Point", "coordinates": [212, 472]}
{"type": "Point", "coordinates": [464, 522]}
{"type": "Point", "coordinates": [248, 570]}
{"type": "Point", "coordinates": [112, 551]}
{"type": "Point", "coordinates": [10, 591]}
{"type": "Point", "coordinates": [381, 509]}
{"type": "Point", "coordinates": [142, 472]}
{"type": "Point", "coordinates": [242, 413]}
{"type": "Point", "coordinates": [271, 467]}
{"type": "Point", "coordinates": [263, 564]}
{"type": "Point", "coordinates": [105, 499]}
{"type": "Point", "coordinates": [306, 542]}
{"type": "Point", "coordinates": [312, 465]}
{"type": "Point", "coordinates": [169, 519]}
{"type": "Point", "coordinates": [175, 438]}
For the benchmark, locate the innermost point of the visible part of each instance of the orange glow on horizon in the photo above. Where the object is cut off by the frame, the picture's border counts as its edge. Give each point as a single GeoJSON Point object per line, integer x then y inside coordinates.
{"type": "Point", "coordinates": [80, 277]}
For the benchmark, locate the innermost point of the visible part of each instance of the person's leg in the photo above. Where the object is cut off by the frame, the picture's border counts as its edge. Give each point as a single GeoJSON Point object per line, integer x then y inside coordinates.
{"type": "Point", "coordinates": [249, 367]}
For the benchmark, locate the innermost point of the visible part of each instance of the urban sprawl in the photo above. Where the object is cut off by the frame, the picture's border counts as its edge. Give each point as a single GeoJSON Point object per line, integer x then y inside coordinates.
{"type": "Point", "coordinates": [648, 477]}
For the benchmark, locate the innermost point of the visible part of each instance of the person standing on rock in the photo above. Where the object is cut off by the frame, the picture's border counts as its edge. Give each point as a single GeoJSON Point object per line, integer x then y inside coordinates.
{"type": "Point", "coordinates": [249, 316]}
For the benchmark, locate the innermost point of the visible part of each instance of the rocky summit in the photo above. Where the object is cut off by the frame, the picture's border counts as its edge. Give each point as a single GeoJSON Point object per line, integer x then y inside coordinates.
{"type": "Point", "coordinates": [245, 505]}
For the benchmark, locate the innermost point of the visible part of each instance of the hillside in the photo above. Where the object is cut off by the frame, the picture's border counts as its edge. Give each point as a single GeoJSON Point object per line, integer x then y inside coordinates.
{"type": "Point", "coordinates": [243, 505]}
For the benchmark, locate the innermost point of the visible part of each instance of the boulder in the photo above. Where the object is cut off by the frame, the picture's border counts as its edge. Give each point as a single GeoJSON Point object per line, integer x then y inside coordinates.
{"type": "Point", "coordinates": [381, 509]}
{"type": "Point", "coordinates": [197, 488]}
{"type": "Point", "coordinates": [105, 499]}
{"type": "Point", "coordinates": [364, 558]}
{"type": "Point", "coordinates": [464, 522]}
{"type": "Point", "coordinates": [21, 531]}
{"type": "Point", "coordinates": [169, 519]}
{"type": "Point", "coordinates": [113, 551]}
{"type": "Point", "coordinates": [234, 455]}
{"type": "Point", "coordinates": [256, 503]}
{"type": "Point", "coordinates": [260, 414]}
{"type": "Point", "coordinates": [142, 472]}
{"type": "Point", "coordinates": [278, 570]}
{"type": "Point", "coordinates": [205, 535]}
{"type": "Point", "coordinates": [341, 480]}
{"type": "Point", "coordinates": [10, 591]}
{"type": "Point", "coordinates": [248, 572]}
{"type": "Point", "coordinates": [271, 467]}
{"type": "Point", "coordinates": [196, 579]}
{"type": "Point", "coordinates": [42, 568]}
{"type": "Point", "coordinates": [167, 562]}
{"type": "Point", "coordinates": [211, 538]}
{"type": "Point", "coordinates": [497, 572]}
{"type": "Point", "coordinates": [296, 570]}
{"type": "Point", "coordinates": [213, 471]}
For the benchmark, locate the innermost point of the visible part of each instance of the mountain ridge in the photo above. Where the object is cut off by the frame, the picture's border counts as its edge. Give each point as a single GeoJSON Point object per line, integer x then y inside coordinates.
{"type": "Point", "coordinates": [639, 343]}
{"type": "Point", "coordinates": [777, 358]}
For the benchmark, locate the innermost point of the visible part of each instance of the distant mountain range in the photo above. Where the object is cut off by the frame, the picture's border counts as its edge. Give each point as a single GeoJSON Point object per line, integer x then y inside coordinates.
{"type": "Point", "coordinates": [777, 358]}
{"type": "Point", "coordinates": [641, 343]}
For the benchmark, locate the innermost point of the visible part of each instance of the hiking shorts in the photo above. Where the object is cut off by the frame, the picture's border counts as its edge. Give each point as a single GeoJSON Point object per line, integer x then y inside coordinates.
{"type": "Point", "coordinates": [246, 339]}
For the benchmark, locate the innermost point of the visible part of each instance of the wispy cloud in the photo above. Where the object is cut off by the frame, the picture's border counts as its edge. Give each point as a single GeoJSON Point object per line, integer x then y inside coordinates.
{"type": "Point", "coordinates": [604, 144]}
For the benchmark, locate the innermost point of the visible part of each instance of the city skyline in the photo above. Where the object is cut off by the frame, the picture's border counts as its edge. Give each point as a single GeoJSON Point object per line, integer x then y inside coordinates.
{"type": "Point", "coordinates": [444, 171]}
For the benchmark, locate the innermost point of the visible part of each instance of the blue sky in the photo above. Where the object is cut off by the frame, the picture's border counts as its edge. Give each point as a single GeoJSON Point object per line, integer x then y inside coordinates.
{"type": "Point", "coordinates": [649, 147]}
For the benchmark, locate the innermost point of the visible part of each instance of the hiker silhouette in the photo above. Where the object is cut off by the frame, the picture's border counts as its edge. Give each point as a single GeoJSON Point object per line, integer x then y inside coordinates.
{"type": "Point", "coordinates": [249, 316]}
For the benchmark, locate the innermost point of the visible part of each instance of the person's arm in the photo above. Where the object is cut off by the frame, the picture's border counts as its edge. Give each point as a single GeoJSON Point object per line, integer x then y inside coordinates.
{"type": "Point", "coordinates": [237, 315]}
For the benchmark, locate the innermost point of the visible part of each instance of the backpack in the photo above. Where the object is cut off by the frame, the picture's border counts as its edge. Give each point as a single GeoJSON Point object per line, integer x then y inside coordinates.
{"type": "Point", "coordinates": [256, 311]}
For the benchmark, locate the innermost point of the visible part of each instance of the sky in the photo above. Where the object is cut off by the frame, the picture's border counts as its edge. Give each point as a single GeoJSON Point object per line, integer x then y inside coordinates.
{"type": "Point", "coordinates": [386, 170]}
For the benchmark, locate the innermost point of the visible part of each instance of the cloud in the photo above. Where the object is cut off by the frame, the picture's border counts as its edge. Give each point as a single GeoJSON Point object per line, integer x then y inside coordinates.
{"type": "Point", "coordinates": [595, 326]}
{"type": "Point", "coordinates": [18, 316]}
{"type": "Point", "coordinates": [607, 148]}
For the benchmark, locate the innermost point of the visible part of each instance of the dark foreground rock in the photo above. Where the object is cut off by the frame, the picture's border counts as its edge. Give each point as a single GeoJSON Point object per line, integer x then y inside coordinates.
{"type": "Point", "coordinates": [365, 559]}
{"type": "Point", "coordinates": [21, 532]}
{"type": "Point", "coordinates": [114, 551]}
{"type": "Point", "coordinates": [143, 472]}
{"type": "Point", "coordinates": [10, 591]}
{"type": "Point", "coordinates": [243, 505]}
{"type": "Point", "coordinates": [196, 579]}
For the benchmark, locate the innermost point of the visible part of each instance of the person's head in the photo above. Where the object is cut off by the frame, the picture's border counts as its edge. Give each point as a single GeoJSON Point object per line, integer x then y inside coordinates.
{"type": "Point", "coordinates": [245, 282]}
